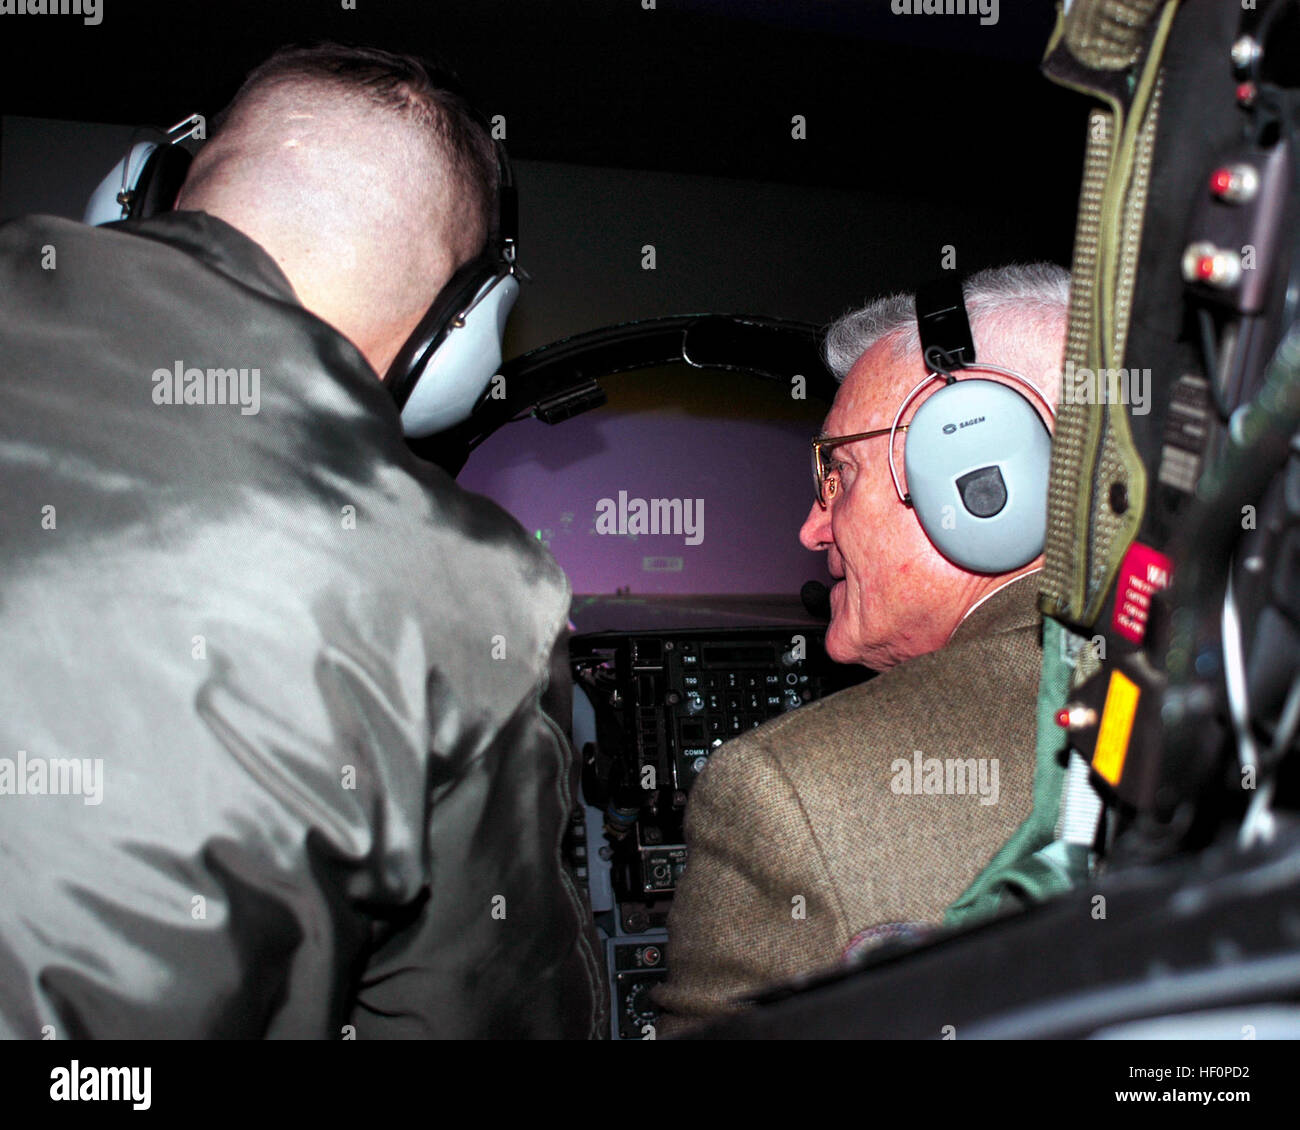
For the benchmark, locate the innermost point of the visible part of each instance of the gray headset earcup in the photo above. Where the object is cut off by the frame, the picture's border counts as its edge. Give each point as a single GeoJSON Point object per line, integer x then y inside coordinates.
{"type": "Point", "coordinates": [977, 456]}
{"type": "Point", "coordinates": [103, 206]}
{"type": "Point", "coordinates": [452, 382]}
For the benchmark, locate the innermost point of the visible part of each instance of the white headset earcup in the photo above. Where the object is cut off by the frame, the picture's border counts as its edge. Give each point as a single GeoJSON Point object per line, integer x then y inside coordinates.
{"type": "Point", "coordinates": [445, 393]}
{"type": "Point", "coordinates": [977, 457]}
{"type": "Point", "coordinates": [103, 206]}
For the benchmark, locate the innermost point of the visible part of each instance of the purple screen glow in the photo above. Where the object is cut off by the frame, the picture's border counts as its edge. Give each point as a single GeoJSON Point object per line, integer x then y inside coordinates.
{"type": "Point", "coordinates": [725, 455]}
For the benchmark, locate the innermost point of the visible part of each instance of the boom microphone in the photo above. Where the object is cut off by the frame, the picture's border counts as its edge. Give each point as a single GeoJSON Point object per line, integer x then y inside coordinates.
{"type": "Point", "coordinates": [816, 599]}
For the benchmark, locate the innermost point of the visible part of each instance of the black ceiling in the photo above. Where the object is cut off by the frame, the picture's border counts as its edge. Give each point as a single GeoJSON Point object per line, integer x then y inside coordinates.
{"type": "Point", "coordinates": [941, 105]}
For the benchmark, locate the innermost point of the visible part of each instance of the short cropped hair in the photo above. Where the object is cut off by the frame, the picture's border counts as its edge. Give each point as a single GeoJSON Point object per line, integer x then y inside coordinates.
{"type": "Point", "coordinates": [1029, 290]}
{"type": "Point", "coordinates": [427, 98]}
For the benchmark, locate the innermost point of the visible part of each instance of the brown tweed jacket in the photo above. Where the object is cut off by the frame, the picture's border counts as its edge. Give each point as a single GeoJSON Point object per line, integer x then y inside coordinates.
{"type": "Point", "coordinates": [807, 813]}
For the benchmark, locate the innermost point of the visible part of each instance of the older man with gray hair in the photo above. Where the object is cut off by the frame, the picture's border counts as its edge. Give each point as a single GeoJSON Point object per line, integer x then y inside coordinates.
{"type": "Point", "coordinates": [818, 834]}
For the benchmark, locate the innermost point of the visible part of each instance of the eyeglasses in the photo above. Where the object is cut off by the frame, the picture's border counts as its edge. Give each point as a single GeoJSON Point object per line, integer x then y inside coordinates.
{"type": "Point", "coordinates": [826, 480]}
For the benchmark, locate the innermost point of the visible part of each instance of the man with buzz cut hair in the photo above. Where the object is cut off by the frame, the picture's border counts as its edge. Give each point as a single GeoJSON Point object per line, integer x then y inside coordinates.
{"type": "Point", "coordinates": [804, 845]}
{"type": "Point", "coordinates": [317, 673]}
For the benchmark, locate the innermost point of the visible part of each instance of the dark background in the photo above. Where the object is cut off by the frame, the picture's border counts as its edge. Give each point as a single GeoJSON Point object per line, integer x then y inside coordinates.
{"type": "Point", "coordinates": [937, 130]}
{"type": "Point", "coordinates": [897, 104]}
{"type": "Point", "coordinates": [629, 127]}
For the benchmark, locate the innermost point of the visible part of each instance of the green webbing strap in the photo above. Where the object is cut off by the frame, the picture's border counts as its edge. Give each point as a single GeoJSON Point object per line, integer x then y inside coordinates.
{"type": "Point", "coordinates": [1107, 35]}
{"type": "Point", "coordinates": [1020, 870]}
{"type": "Point", "coordinates": [1110, 49]}
{"type": "Point", "coordinates": [1097, 491]}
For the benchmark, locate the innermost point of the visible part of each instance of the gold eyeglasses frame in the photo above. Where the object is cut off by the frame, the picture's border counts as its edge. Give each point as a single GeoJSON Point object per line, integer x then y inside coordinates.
{"type": "Point", "coordinates": [822, 477]}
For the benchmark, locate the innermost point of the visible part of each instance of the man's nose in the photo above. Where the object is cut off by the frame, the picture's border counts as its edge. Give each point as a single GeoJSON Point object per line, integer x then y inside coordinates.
{"type": "Point", "coordinates": [815, 533]}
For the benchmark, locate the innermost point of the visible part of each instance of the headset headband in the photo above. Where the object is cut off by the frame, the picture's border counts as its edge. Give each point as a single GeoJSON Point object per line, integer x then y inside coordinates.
{"type": "Point", "coordinates": [944, 326]}
{"type": "Point", "coordinates": [947, 344]}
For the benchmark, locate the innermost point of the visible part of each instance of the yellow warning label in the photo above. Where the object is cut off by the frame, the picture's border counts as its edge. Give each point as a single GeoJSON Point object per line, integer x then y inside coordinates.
{"type": "Point", "coordinates": [1116, 726]}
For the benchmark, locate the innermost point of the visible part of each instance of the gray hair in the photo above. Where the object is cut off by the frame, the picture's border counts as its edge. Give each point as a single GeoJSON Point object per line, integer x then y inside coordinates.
{"type": "Point", "coordinates": [1025, 290]}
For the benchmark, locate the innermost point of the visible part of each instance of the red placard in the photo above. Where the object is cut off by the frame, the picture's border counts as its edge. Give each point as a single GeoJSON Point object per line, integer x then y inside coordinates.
{"type": "Point", "coordinates": [1143, 573]}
